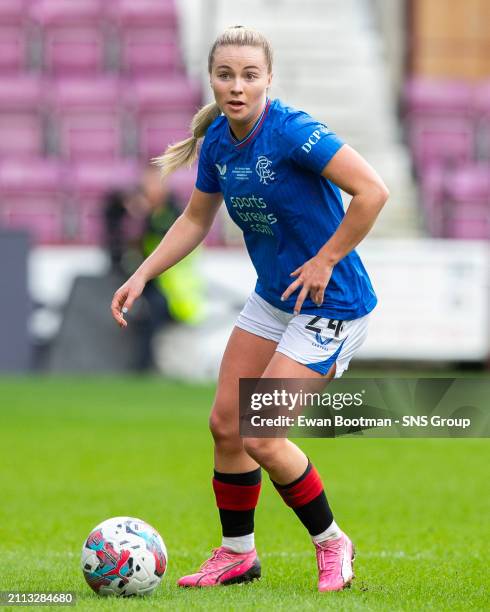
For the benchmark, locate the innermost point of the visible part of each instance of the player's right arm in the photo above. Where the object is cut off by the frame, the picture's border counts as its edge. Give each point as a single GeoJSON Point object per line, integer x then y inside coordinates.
{"type": "Point", "coordinates": [188, 231]}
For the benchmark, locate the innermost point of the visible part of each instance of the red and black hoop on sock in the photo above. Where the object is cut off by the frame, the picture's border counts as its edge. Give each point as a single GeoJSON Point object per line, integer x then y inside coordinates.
{"type": "Point", "coordinates": [307, 498]}
{"type": "Point", "coordinates": [236, 497]}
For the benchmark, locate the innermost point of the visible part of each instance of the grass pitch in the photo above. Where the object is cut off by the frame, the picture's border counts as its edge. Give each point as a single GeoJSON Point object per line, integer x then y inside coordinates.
{"type": "Point", "coordinates": [75, 452]}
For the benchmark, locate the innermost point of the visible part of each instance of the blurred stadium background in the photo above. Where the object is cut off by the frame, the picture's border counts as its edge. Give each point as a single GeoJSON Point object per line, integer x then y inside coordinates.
{"type": "Point", "coordinates": [90, 90]}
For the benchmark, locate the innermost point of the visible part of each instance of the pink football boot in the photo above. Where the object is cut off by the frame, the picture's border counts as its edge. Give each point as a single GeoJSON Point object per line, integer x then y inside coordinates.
{"type": "Point", "coordinates": [334, 559]}
{"type": "Point", "coordinates": [224, 567]}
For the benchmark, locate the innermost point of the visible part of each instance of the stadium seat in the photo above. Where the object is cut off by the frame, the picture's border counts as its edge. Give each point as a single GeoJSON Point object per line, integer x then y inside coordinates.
{"type": "Point", "coordinates": [441, 139]}
{"type": "Point", "coordinates": [147, 52]}
{"type": "Point", "coordinates": [469, 223]}
{"type": "Point", "coordinates": [467, 202]}
{"type": "Point", "coordinates": [73, 50]}
{"type": "Point", "coordinates": [156, 132]}
{"type": "Point", "coordinates": [90, 183]}
{"type": "Point", "coordinates": [162, 110]}
{"type": "Point", "coordinates": [13, 48]}
{"type": "Point", "coordinates": [423, 97]}
{"type": "Point", "coordinates": [21, 92]}
{"type": "Point", "coordinates": [21, 134]}
{"type": "Point", "coordinates": [92, 177]}
{"type": "Point", "coordinates": [147, 34]}
{"type": "Point", "coordinates": [87, 117]}
{"type": "Point", "coordinates": [72, 35]}
{"type": "Point", "coordinates": [21, 116]}
{"type": "Point", "coordinates": [440, 120]}
{"type": "Point", "coordinates": [13, 11]}
{"type": "Point", "coordinates": [32, 197]}
{"type": "Point", "coordinates": [89, 136]}
{"type": "Point", "coordinates": [147, 13]}
{"type": "Point", "coordinates": [54, 12]}
{"type": "Point", "coordinates": [91, 93]}
{"type": "Point", "coordinates": [148, 95]}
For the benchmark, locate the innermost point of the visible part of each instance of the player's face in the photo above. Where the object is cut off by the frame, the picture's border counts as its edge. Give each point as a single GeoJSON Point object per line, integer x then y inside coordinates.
{"type": "Point", "coordinates": [239, 79]}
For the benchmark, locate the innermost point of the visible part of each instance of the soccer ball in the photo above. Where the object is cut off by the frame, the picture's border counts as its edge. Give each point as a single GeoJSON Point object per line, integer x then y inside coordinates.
{"type": "Point", "coordinates": [124, 556]}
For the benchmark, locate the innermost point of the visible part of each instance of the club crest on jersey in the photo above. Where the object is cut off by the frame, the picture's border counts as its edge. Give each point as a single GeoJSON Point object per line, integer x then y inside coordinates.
{"type": "Point", "coordinates": [221, 170]}
{"type": "Point", "coordinates": [263, 169]}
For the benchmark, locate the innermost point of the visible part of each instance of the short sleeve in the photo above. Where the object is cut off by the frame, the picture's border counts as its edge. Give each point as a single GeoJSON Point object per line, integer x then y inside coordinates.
{"type": "Point", "coordinates": [207, 179]}
{"type": "Point", "coordinates": [311, 144]}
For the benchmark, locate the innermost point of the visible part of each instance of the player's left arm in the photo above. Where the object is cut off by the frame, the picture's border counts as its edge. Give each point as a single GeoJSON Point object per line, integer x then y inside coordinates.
{"type": "Point", "coordinates": [349, 171]}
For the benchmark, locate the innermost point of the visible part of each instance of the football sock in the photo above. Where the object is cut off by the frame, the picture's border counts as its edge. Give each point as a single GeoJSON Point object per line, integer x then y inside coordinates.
{"type": "Point", "coordinates": [236, 498]}
{"type": "Point", "coordinates": [240, 544]}
{"type": "Point", "coordinates": [332, 533]}
{"type": "Point", "coordinates": [306, 497]}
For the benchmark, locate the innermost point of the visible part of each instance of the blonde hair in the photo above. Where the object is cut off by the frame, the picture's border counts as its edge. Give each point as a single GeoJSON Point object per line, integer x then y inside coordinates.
{"type": "Point", "coordinates": [184, 153]}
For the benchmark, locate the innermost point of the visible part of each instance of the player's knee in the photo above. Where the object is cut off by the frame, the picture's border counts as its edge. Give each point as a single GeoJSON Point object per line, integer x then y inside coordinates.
{"type": "Point", "coordinates": [224, 430]}
{"type": "Point", "coordinates": [263, 450]}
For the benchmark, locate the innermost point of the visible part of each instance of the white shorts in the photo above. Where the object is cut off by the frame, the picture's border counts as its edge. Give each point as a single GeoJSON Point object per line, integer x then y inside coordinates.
{"type": "Point", "coordinates": [313, 341]}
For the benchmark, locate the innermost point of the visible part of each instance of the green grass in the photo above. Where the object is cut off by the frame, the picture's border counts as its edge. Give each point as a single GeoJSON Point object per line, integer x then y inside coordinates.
{"type": "Point", "coordinates": [75, 452]}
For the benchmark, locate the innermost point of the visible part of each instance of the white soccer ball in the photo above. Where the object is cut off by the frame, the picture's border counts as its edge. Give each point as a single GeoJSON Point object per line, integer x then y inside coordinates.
{"type": "Point", "coordinates": [124, 556]}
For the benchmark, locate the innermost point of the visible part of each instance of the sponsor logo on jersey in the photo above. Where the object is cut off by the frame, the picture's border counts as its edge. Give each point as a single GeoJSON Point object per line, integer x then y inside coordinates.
{"type": "Point", "coordinates": [311, 142]}
{"type": "Point", "coordinates": [251, 202]}
{"type": "Point", "coordinates": [263, 169]}
{"type": "Point", "coordinates": [253, 214]}
{"type": "Point", "coordinates": [221, 170]}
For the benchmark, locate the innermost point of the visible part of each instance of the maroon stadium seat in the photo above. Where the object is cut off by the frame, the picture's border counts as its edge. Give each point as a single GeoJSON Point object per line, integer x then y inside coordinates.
{"type": "Point", "coordinates": [146, 52]}
{"type": "Point", "coordinates": [87, 117]}
{"type": "Point", "coordinates": [21, 92]}
{"type": "Point", "coordinates": [21, 134]}
{"type": "Point", "coordinates": [90, 183]}
{"type": "Point", "coordinates": [13, 48]}
{"type": "Point", "coordinates": [13, 11]}
{"type": "Point", "coordinates": [467, 205]}
{"type": "Point", "coordinates": [72, 35]}
{"type": "Point", "coordinates": [147, 36]}
{"type": "Point", "coordinates": [87, 93]}
{"type": "Point", "coordinates": [21, 116]}
{"type": "Point", "coordinates": [440, 120]}
{"type": "Point", "coordinates": [32, 197]}
{"type": "Point", "coordinates": [425, 97]}
{"type": "Point", "coordinates": [157, 132]}
{"type": "Point", "coordinates": [163, 110]}
{"type": "Point", "coordinates": [147, 13]}
{"type": "Point", "coordinates": [55, 13]}
{"type": "Point", "coordinates": [163, 94]}
{"type": "Point", "coordinates": [73, 50]}
{"type": "Point", "coordinates": [441, 139]}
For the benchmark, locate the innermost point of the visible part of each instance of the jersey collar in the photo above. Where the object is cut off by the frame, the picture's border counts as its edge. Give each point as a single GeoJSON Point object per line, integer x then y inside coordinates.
{"type": "Point", "coordinates": [238, 144]}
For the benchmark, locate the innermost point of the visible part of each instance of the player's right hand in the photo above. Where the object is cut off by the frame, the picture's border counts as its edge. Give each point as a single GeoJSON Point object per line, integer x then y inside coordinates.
{"type": "Point", "coordinates": [124, 298]}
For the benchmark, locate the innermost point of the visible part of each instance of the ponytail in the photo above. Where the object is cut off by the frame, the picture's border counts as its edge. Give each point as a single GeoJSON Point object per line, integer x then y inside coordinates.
{"type": "Point", "coordinates": [184, 153]}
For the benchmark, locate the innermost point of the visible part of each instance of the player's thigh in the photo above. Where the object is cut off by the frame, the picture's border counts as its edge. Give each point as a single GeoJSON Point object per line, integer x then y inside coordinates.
{"type": "Point", "coordinates": [246, 356]}
{"type": "Point", "coordinates": [282, 366]}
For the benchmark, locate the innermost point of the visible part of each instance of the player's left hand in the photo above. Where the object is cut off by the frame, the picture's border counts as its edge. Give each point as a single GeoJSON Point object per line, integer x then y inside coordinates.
{"type": "Point", "coordinates": [314, 275]}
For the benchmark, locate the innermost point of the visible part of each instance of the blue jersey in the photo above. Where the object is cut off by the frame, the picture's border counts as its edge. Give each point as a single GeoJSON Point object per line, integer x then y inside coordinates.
{"type": "Point", "coordinates": [273, 189]}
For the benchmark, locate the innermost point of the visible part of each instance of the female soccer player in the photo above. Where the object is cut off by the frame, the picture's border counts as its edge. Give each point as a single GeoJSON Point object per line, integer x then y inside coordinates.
{"type": "Point", "coordinates": [279, 172]}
